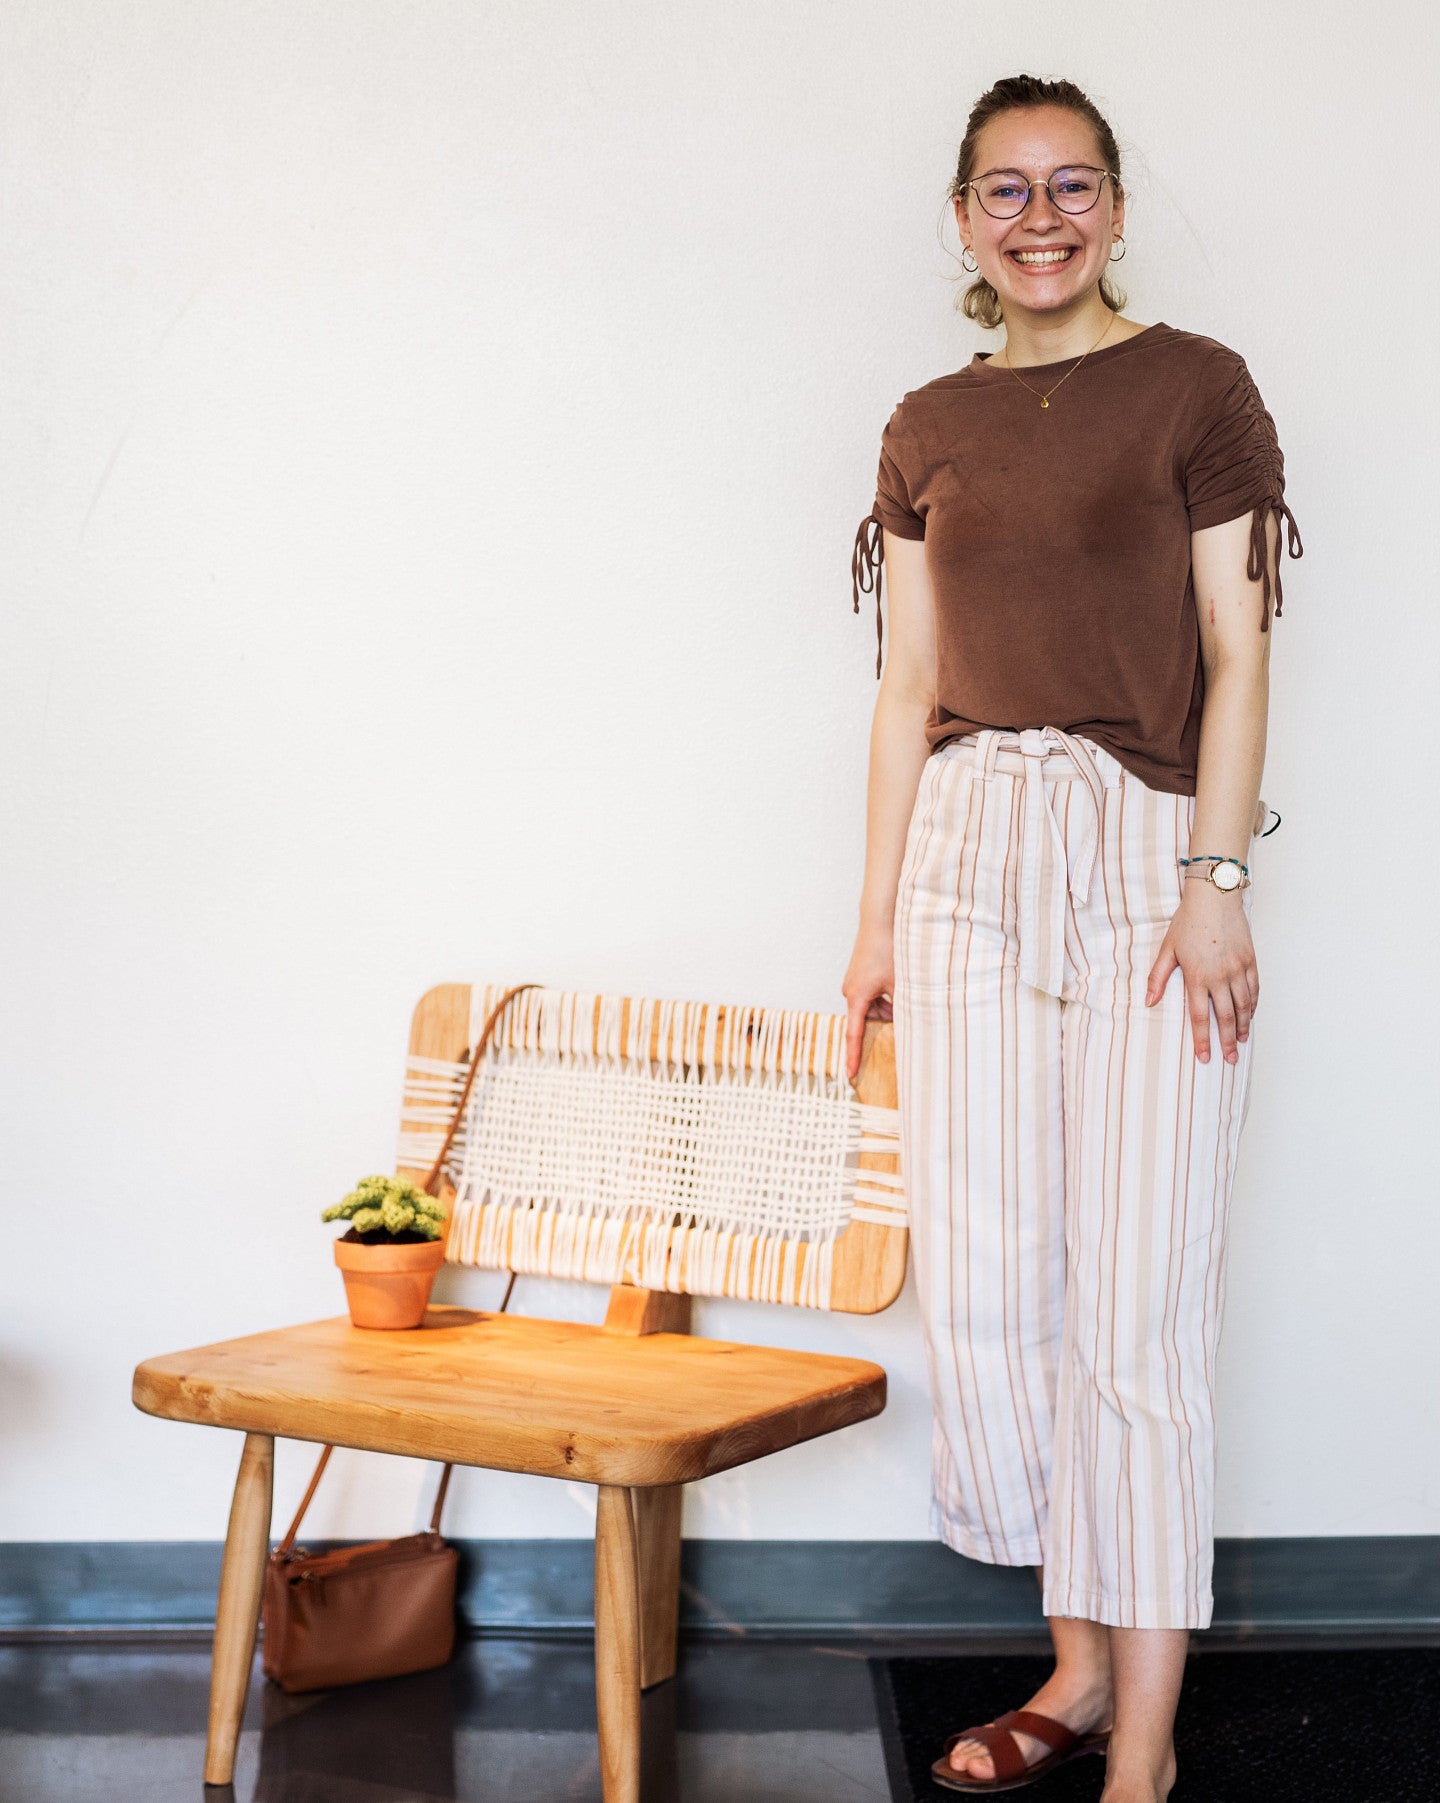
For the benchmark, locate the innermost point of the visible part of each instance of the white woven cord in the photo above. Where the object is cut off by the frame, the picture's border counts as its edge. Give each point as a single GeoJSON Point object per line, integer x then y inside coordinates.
{"type": "Point", "coordinates": [582, 1156]}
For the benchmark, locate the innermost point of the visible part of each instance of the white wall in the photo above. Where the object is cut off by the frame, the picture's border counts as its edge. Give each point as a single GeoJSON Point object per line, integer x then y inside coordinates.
{"type": "Point", "coordinates": [434, 435]}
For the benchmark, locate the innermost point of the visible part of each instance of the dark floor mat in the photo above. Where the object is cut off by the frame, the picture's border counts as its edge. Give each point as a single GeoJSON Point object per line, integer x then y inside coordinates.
{"type": "Point", "coordinates": [1362, 1726]}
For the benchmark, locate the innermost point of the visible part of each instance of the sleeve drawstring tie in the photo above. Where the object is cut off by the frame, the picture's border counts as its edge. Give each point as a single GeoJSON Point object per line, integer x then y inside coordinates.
{"type": "Point", "coordinates": [865, 564]}
{"type": "Point", "coordinates": [868, 557]}
{"type": "Point", "coordinates": [1258, 566]}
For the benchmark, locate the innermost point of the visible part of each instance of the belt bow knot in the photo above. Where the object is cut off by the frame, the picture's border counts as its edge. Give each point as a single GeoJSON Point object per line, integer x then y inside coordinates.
{"type": "Point", "coordinates": [1045, 869]}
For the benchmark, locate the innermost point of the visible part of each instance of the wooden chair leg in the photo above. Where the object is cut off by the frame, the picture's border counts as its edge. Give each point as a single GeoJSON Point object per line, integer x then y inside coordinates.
{"type": "Point", "coordinates": [617, 1644]}
{"type": "Point", "coordinates": [237, 1613]}
{"type": "Point", "coordinates": [657, 1536]}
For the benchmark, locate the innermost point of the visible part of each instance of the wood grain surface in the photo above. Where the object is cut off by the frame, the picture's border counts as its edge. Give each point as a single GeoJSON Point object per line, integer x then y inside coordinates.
{"type": "Point", "coordinates": [558, 1398]}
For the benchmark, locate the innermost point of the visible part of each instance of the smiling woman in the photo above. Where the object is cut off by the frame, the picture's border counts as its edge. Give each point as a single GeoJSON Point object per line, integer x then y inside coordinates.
{"type": "Point", "coordinates": [1070, 728]}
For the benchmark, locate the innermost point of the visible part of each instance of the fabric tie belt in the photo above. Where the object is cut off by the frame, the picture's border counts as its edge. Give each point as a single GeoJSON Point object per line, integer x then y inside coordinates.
{"type": "Point", "coordinates": [1046, 871]}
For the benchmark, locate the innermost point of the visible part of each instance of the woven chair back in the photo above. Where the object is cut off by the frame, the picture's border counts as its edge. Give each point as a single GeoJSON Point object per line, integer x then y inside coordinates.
{"type": "Point", "coordinates": [695, 1147]}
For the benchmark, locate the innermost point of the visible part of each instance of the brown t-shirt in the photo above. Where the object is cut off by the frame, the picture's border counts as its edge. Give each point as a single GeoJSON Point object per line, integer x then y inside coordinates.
{"type": "Point", "coordinates": [1058, 538]}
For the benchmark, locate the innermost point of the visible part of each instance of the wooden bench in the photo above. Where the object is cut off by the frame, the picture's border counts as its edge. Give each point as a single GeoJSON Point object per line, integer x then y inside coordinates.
{"type": "Point", "coordinates": [636, 1406]}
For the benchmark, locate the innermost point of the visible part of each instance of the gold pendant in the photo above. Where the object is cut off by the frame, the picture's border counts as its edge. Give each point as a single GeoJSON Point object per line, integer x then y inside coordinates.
{"type": "Point", "coordinates": [1044, 400]}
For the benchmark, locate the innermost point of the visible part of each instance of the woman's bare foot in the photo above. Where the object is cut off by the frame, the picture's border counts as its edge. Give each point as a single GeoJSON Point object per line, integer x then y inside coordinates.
{"type": "Point", "coordinates": [1083, 1701]}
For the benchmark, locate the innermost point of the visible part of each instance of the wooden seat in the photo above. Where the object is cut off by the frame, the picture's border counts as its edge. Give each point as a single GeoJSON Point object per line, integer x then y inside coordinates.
{"type": "Point", "coordinates": [556, 1398]}
{"type": "Point", "coordinates": [637, 1406]}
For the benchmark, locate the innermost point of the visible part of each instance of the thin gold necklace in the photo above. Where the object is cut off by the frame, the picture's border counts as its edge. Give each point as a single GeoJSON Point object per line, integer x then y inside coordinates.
{"type": "Point", "coordinates": [1045, 398]}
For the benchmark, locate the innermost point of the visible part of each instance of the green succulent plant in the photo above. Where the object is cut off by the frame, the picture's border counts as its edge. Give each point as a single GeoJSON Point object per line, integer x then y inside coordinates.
{"type": "Point", "coordinates": [389, 1208]}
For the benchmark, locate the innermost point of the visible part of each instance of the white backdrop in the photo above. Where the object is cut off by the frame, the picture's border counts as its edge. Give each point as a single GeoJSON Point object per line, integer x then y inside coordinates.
{"type": "Point", "coordinates": [434, 435]}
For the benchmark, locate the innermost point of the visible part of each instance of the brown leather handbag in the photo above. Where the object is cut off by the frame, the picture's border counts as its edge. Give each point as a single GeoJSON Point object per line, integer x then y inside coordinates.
{"type": "Point", "coordinates": [359, 1612]}
{"type": "Point", "coordinates": [386, 1607]}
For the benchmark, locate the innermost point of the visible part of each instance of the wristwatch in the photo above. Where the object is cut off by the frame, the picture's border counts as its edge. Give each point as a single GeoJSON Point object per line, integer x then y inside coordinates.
{"type": "Point", "coordinates": [1224, 873]}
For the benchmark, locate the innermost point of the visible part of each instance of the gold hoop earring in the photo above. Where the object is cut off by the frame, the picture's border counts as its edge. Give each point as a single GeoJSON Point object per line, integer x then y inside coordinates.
{"type": "Point", "coordinates": [1121, 242]}
{"type": "Point", "coordinates": [972, 267]}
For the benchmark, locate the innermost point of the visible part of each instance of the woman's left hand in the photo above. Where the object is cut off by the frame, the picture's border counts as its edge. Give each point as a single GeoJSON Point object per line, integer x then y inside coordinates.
{"type": "Point", "coordinates": [1209, 943]}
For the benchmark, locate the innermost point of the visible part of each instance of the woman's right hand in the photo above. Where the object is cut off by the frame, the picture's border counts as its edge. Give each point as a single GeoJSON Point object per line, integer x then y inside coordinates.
{"type": "Point", "coordinates": [868, 986]}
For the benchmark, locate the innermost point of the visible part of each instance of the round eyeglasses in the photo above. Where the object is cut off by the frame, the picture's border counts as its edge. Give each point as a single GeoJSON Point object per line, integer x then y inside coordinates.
{"type": "Point", "coordinates": [1005, 193]}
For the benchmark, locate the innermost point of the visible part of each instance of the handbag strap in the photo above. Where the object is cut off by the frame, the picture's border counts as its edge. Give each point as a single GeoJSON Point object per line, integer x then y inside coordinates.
{"type": "Point", "coordinates": [429, 1184]}
{"type": "Point", "coordinates": [480, 1046]}
{"type": "Point", "coordinates": [293, 1530]}
{"type": "Point", "coordinates": [310, 1489]}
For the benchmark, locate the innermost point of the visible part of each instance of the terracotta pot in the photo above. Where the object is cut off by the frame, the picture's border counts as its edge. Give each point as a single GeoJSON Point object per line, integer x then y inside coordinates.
{"type": "Point", "coordinates": [388, 1286]}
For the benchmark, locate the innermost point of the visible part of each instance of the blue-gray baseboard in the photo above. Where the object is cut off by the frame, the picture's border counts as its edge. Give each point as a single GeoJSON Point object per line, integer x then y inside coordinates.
{"type": "Point", "coordinates": [772, 1588]}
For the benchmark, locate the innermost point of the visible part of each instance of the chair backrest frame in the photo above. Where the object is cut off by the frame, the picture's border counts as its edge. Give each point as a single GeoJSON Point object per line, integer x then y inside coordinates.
{"type": "Point", "coordinates": [869, 1259]}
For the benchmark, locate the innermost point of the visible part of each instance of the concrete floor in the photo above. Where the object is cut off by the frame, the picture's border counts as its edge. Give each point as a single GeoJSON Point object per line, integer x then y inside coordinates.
{"type": "Point", "coordinates": [509, 1719]}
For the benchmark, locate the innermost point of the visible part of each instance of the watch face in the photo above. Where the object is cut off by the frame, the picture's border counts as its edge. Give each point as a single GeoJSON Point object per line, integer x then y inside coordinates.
{"type": "Point", "coordinates": [1225, 876]}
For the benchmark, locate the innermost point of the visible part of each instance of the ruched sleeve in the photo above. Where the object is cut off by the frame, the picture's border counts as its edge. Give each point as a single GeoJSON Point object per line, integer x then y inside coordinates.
{"type": "Point", "coordinates": [1235, 466]}
{"type": "Point", "coordinates": [895, 510]}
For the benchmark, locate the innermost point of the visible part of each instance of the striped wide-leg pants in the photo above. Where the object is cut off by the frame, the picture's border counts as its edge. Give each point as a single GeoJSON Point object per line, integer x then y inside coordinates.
{"type": "Point", "coordinates": [1068, 1163]}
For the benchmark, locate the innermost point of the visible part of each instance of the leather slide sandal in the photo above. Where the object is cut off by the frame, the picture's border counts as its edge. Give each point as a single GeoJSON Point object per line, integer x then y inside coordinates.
{"type": "Point", "coordinates": [1011, 1771]}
